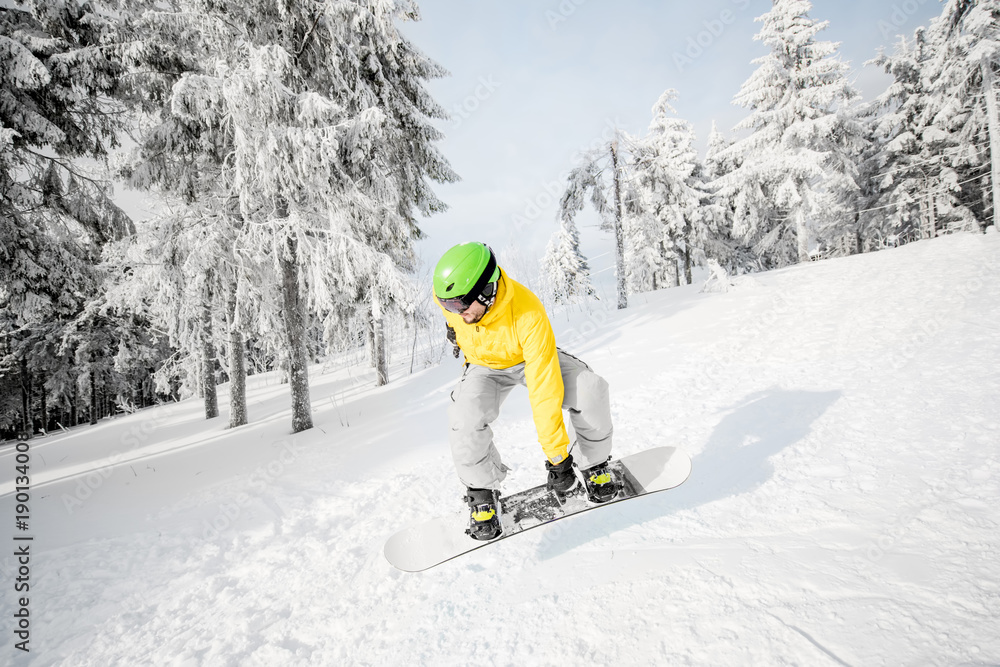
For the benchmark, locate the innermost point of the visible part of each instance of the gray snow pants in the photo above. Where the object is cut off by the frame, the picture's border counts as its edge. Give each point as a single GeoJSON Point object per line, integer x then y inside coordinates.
{"type": "Point", "coordinates": [476, 404]}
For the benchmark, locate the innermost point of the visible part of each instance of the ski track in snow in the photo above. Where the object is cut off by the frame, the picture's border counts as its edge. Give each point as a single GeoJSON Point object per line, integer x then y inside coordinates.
{"type": "Point", "coordinates": [841, 416]}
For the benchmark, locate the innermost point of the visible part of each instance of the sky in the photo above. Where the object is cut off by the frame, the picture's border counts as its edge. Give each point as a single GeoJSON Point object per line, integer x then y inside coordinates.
{"type": "Point", "coordinates": [535, 83]}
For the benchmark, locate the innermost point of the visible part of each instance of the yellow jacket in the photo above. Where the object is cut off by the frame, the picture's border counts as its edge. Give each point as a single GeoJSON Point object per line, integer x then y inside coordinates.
{"type": "Point", "coordinates": [516, 330]}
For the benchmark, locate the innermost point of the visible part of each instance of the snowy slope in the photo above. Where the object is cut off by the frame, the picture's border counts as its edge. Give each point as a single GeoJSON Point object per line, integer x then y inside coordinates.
{"type": "Point", "coordinates": [843, 422]}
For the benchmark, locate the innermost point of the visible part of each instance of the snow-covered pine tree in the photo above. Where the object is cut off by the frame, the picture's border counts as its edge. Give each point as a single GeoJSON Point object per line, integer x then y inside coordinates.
{"type": "Point", "coordinates": [602, 171]}
{"type": "Point", "coordinates": [906, 169]}
{"type": "Point", "coordinates": [651, 256]}
{"type": "Point", "coordinates": [113, 350]}
{"type": "Point", "coordinates": [325, 163]}
{"type": "Point", "coordinates": [799, 149]}
{"type": "Point", "coordinates": [60, 92]}
{"type": "Point", "coordinates": [193, 249]}
{"type": "Point", "coordinates": [717, 161]}
{"type": "Point", "coordinates": [188, 256]}
{"type": "Point", "coordinates": [382, 69]}
{"type": "Point", "coordinates": [963, 75]}
{"type": "Point", "coordinates": [729, 250]}
{"type": "Point", "coordinates": [168, 273]}
{"type": "Point", "coordinates": [564, 267]}
{"type": "Point", "coordinates": [671, 224]}
{"type": "Point", "coordinates": [932, 124]}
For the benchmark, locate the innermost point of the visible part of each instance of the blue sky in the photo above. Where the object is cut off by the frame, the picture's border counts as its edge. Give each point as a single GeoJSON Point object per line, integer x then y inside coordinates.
{"type": "Point", "coordinates": [535, 82]}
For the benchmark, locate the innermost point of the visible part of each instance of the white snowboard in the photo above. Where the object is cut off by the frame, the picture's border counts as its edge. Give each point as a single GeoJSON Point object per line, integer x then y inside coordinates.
{"type": "Point", "coordinates": [425, 545]}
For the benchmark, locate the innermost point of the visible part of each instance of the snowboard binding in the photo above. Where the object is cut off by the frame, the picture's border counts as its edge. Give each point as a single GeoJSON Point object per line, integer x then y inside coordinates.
{"type": "Point", "coordinates": [563, 481]}
{"type": "Point", "coordinates": [602, 483]}
{"type": "Point", "coordinates": [484, 514]}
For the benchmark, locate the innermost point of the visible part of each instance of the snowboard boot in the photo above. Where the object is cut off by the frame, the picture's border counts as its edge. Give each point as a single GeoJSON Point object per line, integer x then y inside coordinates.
{"type": "Point", "coordinates": [484, 514]}
{"type": "Point", "coordinates": [601, 482]}
{"type": "Point", "coordinates": [562, 478]}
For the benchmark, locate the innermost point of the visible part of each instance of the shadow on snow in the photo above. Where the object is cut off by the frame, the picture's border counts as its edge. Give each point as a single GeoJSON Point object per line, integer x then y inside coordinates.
{"type": "Point", "coordinates": [735, 461]}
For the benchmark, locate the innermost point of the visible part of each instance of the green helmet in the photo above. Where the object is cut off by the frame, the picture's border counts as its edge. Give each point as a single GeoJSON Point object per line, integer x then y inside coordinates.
{"type": "Point", "coordinates": [464, 271]}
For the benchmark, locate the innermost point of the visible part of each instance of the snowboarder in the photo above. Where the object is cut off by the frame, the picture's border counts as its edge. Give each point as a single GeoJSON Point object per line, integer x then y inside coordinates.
{"type": "Point", "coordinates": [505, 334]}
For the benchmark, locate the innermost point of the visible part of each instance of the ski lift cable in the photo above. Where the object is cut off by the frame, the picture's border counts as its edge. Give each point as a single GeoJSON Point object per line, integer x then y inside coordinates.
{"type": "Point", "coordinates": [933, 159]}
{"type": "Point", "coordinates": [879, 208]}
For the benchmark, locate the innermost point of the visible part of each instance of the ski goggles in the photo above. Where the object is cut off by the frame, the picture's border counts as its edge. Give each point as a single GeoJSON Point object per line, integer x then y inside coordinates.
{"type": "Point", "coordinates": [460, 304]}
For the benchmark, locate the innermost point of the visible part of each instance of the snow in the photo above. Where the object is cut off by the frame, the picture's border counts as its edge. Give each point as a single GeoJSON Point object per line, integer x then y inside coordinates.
{"type": "Point", "coordinates": [842, 419]}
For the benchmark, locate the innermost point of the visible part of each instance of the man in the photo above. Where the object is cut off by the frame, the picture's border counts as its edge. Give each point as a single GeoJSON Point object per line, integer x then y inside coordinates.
{"type": "Point", "coordinates": [503, 330]}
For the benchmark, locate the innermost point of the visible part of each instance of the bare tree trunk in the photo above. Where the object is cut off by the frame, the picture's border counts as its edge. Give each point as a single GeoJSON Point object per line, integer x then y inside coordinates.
{"type": "Point", "coordinates": [26, 424]}
{"type": "Point", "coordinates": [208, 352]}
{"type": "Point", "coordinates": [802, 234]}
{"type": "Point", "coordinates": [74, 415]}
{"type": "Point", "coordinates": [237, 365]}
{"type": "Point", "coordinates": [687, 263]}
{"type": "Point", "coordinates": [932, 215]}
{"type": "Point", "coordinates": [93, 397]}
{"type": "Point", "coordinates": [379, 351]}
{"type": "Point", "coordinates": [370, 339]}
{"type": "Point", "coordinates": [924, 223]}
{"type": "Point", "coordinates": [413, 349]}
{"type": "Point", "coordinates": [298, 370]}
{"type": "Point", "coordinates": [44, 403]}
{"type": "Point", "coordinates": [619, 230]}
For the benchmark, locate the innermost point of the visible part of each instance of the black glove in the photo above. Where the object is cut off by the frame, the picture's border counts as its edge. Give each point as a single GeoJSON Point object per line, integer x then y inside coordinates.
{"type": "Point", "coordinates": [561, 476]}
{"type": "Point", "coordinates": [453, 340]}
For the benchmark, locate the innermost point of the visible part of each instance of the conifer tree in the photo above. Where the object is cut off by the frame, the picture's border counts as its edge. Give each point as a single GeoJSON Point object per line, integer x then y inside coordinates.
{"type": "Point", "coordinates": [603, 173]}
{"type": "Point", "coordinates": [330, 154]}
{"type": "Point", "coordinates": [726, 248]}
{"type": "Point", "coordinates": [384, 70]}
{"type": "Point", "coordinates": [672, 216]}
{"type": "Point", "coordinates": [802, 138]}
{"type": "Point", "coordinates": [932, 167]}
{"type": "Point", "coordinates": [565, 268]}
{"type": "Point", "coordinates": [907, 166]}
{"type": "Point", "coordinates": [189, 255]}
{"type": "Point", "coordinates": [963, 75]}
{"type": "Point", "coordinates": [61, 102]}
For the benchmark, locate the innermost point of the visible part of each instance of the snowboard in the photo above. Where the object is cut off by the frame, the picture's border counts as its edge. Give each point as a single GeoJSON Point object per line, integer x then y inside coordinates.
{"type": "Point", "coordinates": [433, 542]}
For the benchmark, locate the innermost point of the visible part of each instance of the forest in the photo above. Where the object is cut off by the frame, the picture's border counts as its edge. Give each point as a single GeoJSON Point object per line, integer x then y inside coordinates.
{"type": "Point", "coordinates": [291, 150]}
